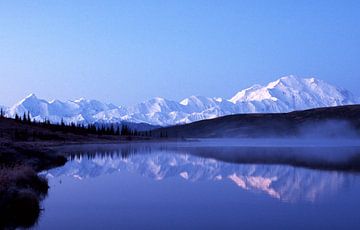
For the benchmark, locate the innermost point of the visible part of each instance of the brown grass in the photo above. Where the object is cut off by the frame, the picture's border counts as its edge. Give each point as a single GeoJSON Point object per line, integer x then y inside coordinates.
{"type": "Point", "coordinates": [21, 191]}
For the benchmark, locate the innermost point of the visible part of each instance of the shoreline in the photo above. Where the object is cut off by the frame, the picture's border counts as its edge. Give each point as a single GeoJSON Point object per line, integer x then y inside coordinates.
{"type": "Point", "coordinates": [21, 187]}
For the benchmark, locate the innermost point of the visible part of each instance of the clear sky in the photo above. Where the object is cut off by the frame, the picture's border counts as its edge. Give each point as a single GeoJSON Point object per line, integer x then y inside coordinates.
{"type": "Point", "coordinates": [129, 51]}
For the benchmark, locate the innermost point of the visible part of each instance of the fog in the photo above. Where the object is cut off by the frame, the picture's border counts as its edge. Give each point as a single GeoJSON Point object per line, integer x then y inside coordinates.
{"type": "Point", "coordinates": [315, 141]}
{"type": "Point", "coordinates": [309, 134]}
{"type": "Point", "coordinates": [330, 129]}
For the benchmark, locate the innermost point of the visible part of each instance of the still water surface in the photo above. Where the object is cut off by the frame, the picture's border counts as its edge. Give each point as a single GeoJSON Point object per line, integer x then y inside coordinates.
{"type": "Point", "coordinates": [203, 186]}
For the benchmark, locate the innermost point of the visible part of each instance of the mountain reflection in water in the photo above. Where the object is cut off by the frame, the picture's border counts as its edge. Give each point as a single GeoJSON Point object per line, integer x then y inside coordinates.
{"type": "Point", "coordinates": [290, 174]}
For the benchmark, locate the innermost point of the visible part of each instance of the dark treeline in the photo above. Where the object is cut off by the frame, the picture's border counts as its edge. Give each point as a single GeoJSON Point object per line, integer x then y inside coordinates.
{"type": "Point", "coordinates": [2, 113]}
{"type": "Point", "coordinates": [100, 129]}
{"type": "Point", "coordinates": [22, 133]}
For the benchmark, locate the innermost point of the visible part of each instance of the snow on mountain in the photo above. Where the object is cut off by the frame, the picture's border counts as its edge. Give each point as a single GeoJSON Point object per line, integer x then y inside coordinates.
{"type": "Point", "coordinates": [199, 103]}
{"type": "Point", "coordinates": [283, 95]}
{"type": "Point", "coordinates": [81, 110]}
{"type": "Point", "coordinates": [291, 93]}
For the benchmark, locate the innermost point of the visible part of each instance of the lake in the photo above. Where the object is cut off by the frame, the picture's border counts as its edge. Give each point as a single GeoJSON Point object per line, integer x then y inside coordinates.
{"type": "Point", "coordinates": [206, 185]}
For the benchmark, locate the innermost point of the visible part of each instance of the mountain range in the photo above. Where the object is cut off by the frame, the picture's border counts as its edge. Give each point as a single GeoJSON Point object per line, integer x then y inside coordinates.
{"type": "Point", "coordinates": [289, 93]}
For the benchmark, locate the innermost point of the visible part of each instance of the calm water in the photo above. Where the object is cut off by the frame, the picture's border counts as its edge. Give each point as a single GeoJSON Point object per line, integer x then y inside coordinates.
{"type": "Point", "coordinates": [204, 186]}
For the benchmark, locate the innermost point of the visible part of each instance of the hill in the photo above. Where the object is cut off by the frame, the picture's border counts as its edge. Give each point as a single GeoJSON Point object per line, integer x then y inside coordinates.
{"type": "Point", "coordinates": [341, 121]}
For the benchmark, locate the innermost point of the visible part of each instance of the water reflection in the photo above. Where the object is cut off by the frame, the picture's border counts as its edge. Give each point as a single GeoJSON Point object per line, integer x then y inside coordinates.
{"type": "Point", "coordinates": [267, 170]}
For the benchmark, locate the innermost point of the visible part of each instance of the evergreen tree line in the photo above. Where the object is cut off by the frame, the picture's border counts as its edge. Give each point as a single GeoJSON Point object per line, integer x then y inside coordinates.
{"type": "Point", "coordinates": [96, 129]}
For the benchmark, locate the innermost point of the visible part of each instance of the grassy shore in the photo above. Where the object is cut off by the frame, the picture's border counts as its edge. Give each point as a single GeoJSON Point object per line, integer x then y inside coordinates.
{"type": "Point", "coordinates": [21, 191]}
{"type": "Point", "coordinates": [21, 188]}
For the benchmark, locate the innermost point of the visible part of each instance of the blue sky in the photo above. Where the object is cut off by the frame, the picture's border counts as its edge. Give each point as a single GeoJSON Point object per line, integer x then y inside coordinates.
{"type": "Point", "coordinates": [128, 51]}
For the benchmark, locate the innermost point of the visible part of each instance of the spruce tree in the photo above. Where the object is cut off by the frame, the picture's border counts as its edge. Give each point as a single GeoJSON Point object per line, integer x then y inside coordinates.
{"type": "Point", "coordinates": [24, 117]}
{"type": "Point", "coordinates": [112, 130]}
{"type": "Point", "coordinates": [28, 117]}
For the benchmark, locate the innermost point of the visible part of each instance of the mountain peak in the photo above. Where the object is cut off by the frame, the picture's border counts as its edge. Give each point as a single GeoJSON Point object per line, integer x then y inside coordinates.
{"type": "Point", "coordinates": [255, 92]}
{"type": "Point", "coordinates": [156, 100]}
{"type": "Point", "coordinates": [288, 81]}
{"type": "Point", "coordinates": [32, 95]}
{"type": "Point", "coordinates": [290, 77]}
{"type": "Point", "coordinates": [195, 100]}
{"type": "Point", "coordinates": [28, 99]}
{"type": "Point", "coordinates": [81, 99]}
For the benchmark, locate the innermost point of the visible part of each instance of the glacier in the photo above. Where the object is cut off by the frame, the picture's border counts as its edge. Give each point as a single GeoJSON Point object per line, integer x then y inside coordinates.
{"type": "Point", "coordinates": [289, 93]}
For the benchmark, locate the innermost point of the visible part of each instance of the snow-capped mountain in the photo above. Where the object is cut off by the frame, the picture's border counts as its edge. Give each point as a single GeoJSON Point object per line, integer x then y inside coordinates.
{"type": "Point", "coordinates": [283, 95]}
{"type": "Point", "coordinates": [292, 93]}
{"type": "Point", "coordinates": [81, 110]}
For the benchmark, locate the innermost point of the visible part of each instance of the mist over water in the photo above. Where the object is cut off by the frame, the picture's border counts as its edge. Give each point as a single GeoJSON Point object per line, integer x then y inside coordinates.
{"type": "Point", "coordinates": [276, 142]}
{"type": "Point", "coordinates": [329, 129]}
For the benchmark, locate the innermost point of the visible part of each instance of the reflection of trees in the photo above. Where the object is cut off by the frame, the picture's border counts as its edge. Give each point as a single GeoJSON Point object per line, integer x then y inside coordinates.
{"type": "Point", "coordinates": [123, 152]}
